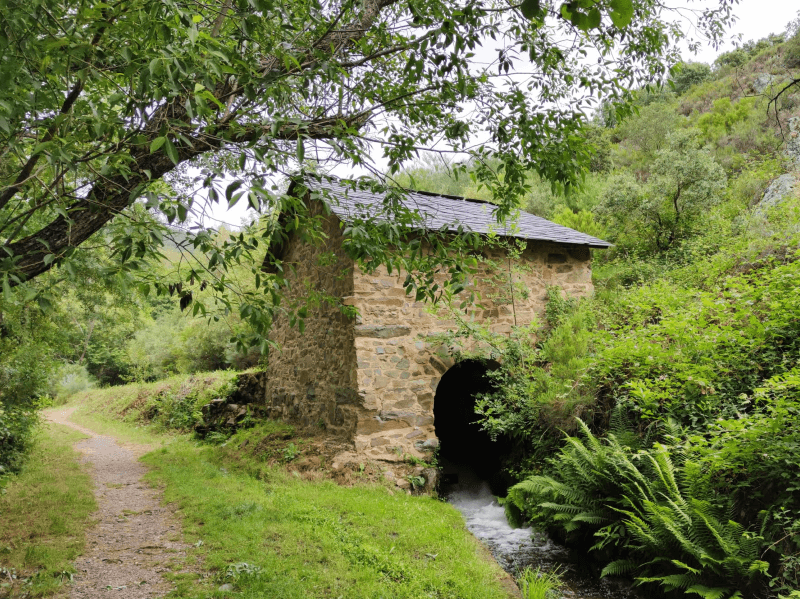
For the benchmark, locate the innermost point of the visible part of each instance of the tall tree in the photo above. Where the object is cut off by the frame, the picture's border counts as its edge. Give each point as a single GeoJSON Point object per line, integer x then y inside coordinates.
{"type": "Point", "coordinates": [101, 101]}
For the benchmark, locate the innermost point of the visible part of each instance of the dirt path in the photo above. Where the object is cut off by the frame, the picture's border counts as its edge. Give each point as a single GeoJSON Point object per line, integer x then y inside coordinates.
{"type": "Point", "coordinates": [136, 538]}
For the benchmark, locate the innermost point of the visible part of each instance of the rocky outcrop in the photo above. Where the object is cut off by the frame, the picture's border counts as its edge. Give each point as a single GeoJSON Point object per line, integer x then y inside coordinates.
{"type": "Point", "coordinates": [784, 186]}
{"type": "Point", "coordinates": [762, 82]}
{"type": "Point", "coordinates": [778, 190]}
{"type": "Point", "coordinates": [222, 415]}
{"type": "Point", "coordinates": [231, 412]}
{"type": "Point", "coordinates": [793, 142]}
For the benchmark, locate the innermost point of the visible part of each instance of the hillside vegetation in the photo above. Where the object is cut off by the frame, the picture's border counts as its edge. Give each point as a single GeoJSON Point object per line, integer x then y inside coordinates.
{"type": "Point", "coordinates": [678, 384]}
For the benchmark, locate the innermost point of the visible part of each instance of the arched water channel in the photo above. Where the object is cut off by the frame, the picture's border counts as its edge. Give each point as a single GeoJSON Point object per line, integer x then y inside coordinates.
{"type": "Point", "coordinates": [470, 464]}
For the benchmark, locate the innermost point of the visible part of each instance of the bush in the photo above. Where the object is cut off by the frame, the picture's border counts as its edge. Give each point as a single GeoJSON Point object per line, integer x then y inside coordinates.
{"type": "Point", "coordinates": [70, 379]}
{"type": "Point", "coordinates": [723, 116]}
{"type": "Point", "coordinates": [17, 425]}
{"type": "Point", "coordinates": [791, 57]}
{"type": "Point", "coordinates": [175, 343]}
{"type": "Point", "coordinates": [684, 183]}
{"type": "Point", "coordinates": [689, 74]}
{"type": "Point", "coordinates": [652, 506]}
{"type": "Point", "coordinates": [582, 221]}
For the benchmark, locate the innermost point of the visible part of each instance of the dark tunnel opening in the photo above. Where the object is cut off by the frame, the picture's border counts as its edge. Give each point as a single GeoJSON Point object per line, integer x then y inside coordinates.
{"type": "Point", "coordinates": [462, 442]}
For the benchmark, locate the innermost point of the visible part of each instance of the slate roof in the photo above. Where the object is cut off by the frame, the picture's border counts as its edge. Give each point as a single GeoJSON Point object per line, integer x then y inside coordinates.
{"type": "Point", "coordinates": [448, 212]}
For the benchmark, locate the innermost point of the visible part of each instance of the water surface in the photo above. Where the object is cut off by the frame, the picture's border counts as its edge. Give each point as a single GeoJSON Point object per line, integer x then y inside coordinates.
{"type": "Point", "coordinates": [514, 549]}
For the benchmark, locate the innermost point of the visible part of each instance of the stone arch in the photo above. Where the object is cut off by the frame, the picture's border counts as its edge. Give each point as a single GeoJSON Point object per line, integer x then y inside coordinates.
{"type": "Point", "coordinates": [462, 442]}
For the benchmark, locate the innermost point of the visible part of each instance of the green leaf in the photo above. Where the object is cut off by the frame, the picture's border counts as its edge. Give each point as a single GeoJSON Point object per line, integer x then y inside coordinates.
{"type": "Point", "coordinates": [156, 67]}
{"type": "Point", "coordinates": [229, 193]}
{"type": "Point", "coordinates": [6, 289]}
{"type": "Point", "coordinates": [44, 304]}
{"type": "Point", "coordinates": [621, 12]}
{"type": "Point", "coordinates": [594, 18]}
{"type": "Point", "coordinates": [157, 143]}
{"type": "Point", "coordinates": [580, 20]}
{"type": "Point", "coordinates": [172, 151]}
{"type": "Point", "coordinates": [530, 9]}
{"type": "Point", "coordinates": [301, 150]}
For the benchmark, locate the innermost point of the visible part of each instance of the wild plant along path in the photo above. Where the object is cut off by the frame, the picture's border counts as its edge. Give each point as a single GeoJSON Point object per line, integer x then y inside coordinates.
{"type": "Point", "coordinates": [136, 538]}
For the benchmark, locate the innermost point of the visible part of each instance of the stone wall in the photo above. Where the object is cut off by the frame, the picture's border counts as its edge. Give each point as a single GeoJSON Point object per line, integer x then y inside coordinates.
{"type": "Point", "coordinates": [311, 378]}
{"type": "Point", "coordinates": [399, 368]}
{"type": "Point", "coordinates": [372, 379]}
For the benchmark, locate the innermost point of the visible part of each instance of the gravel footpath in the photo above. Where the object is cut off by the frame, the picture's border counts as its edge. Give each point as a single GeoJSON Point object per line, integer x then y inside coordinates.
{"type": "Point", "coordinates": [136, 538]}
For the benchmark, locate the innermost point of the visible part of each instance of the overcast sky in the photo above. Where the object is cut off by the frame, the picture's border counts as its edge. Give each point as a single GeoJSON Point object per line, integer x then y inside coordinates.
{"type": "Point", "coordinates": [755, 19]}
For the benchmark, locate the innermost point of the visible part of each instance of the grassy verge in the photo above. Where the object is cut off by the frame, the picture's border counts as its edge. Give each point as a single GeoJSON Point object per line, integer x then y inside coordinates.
{"type": "Point", "coordinates": [264, 520]}
{"type": "Point", "coordinates": [133, 433]}
{"type": "Point", "coordinates": [279, 535]}
{"type": "Point", "coordinates": [44, 515]}
{"type": "Point", "coordinates": [149, 413]}
{"type": "Point", "coordinates": [169, 405]}
{"type": "Point", "coordinates": [536, 583]}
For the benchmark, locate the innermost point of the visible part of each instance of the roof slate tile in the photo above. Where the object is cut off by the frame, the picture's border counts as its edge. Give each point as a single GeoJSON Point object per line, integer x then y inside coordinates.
{"type": "Point", "coordinates": [348, 202]}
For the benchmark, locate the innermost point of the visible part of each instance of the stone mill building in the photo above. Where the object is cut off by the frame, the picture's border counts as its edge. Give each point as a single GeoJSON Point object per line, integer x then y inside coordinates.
{"type": "Point", "coordinates": [377, 380]}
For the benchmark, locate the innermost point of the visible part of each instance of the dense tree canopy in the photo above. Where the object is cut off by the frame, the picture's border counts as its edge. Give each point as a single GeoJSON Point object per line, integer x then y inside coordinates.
{"type": "Point", "coordinates": [126, 119]}
{"type": "Point", "coordinates": [102, 100]}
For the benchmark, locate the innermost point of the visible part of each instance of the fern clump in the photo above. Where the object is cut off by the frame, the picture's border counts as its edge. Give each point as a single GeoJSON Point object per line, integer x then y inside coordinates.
{"type": "Point", "coordinates": [654, 508]}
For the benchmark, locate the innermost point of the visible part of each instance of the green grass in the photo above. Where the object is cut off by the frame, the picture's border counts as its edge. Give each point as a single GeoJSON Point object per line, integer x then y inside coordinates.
{"type": "Point", "coordinates": [99, 422]}
{"type": "Point", "coordinates": [140, 413]}
{"type": "Point", "coordinates": [44, 514]}
{"type": "Point", "coordinates": [171, 404]}
{"type": "Point", "coordinates": [282, 536]}
{"type": "Point", "coordinates": [268, 532]}
{"type": "Point", "coordinates": [537, 584]}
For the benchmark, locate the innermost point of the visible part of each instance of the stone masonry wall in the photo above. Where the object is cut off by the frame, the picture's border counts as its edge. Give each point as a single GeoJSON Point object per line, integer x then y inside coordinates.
{"type": "Point", "coordinates": [311, 379]}
{"type": "Point", "coordinates": [399, 369]}
{"type": "Point", "coordinates": [372, 380]}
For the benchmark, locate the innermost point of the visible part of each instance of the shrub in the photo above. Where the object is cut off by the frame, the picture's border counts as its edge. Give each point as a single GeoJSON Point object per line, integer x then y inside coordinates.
{"type": "Point", "coordinates": [175, 343]}
{"type": "Point", "coordinates": [685, 182]}
{"type": "Point", "coordinates": [723, 116]}
{"type": "Point", "coordinates": [791, 52]}
{"type": "Point", "coordinates": [17, 425]}
{"type": "Point", "coordinates": [688, 74]}
{"type": "Point", "coordinates": [648, 131]}
{"type": "Point", "coordinates": [582, 221]}
{"type": "Point", "coordinates": [654, 507]}
{"type": "Point", "coordinates": [70, 379]}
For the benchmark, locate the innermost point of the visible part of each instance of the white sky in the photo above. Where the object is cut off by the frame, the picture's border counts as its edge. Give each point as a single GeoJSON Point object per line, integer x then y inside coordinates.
{"type": "Point", "coordinates": [755, 19]}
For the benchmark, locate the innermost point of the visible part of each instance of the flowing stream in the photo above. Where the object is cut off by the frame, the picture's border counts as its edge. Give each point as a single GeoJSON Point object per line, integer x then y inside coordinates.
{"type": "Point", "coordinates": [515, 549]}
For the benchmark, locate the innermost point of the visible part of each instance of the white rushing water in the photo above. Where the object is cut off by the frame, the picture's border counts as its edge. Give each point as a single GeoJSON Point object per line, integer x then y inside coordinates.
{"type": "Point", "coordinates": [514, 549]}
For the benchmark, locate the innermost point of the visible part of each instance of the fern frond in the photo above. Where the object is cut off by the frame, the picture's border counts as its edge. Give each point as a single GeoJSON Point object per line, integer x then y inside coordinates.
{"type": "Point", "coordinates": [618, 567]}
{"type": "Point", "coordinates": [714, 528]}
{"type": "Point", "coordinates": [680, 581]}
{"type": "Point", "coordinates": [709, 592]}
{"type": "Point", "coordinates": [591, 518]}
{"type": "Point", "coordinates": [569, 509]}
{"type": "Point", "coordinates": [665, 470]}
{"type": "Point", "coordinates": [683, 565]}
{"type": "Point", "coordinates": [758, 566]}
